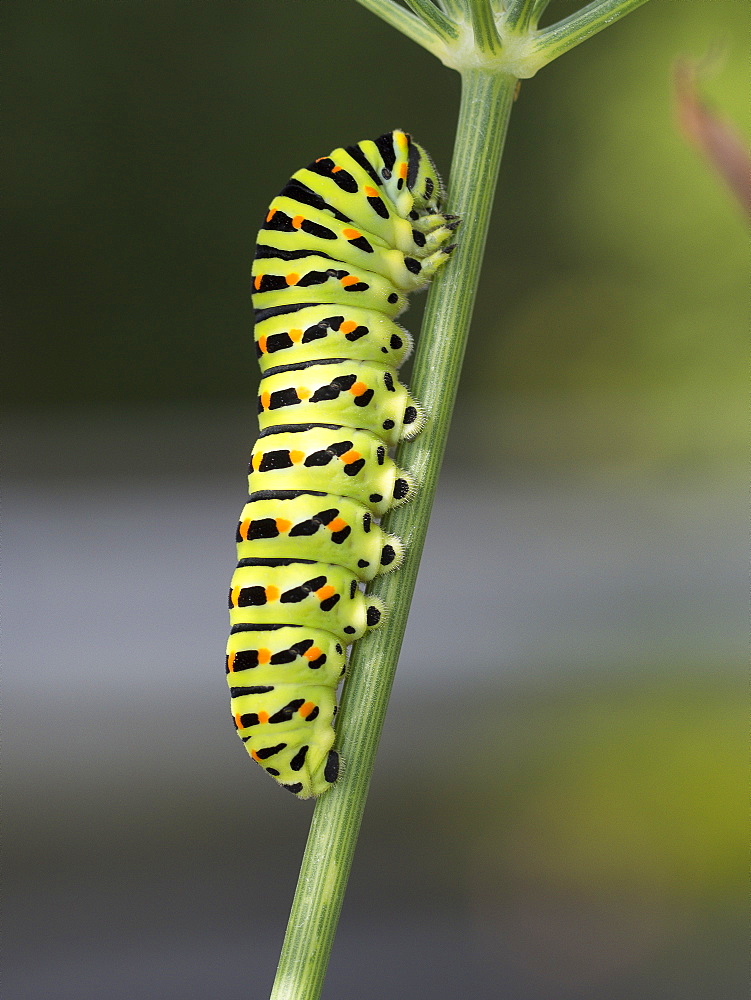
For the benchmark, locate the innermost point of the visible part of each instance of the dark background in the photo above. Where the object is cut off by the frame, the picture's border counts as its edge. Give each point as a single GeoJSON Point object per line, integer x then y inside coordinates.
{"type": "Point", "coordinates": [574, 831]}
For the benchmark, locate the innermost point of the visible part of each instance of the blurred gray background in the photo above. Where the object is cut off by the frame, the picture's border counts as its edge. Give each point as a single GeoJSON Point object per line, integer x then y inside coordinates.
{"type": "Point", "coordinates": [581, 610]}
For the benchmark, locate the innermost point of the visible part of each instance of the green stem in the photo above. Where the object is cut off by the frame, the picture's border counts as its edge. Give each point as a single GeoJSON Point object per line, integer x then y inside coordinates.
{"type": "Point", "coordinates": [571, 31]}
{"type": "Point", "coordinates": [443, 26]}
{"type": "Point", "coordinates": [454, 8]}
{"type": "Point", "coordinates": [403, 20]}
{"type": "Point", "coordinates": [523, 14]}
{"type": "Point", "coordinates": [483, 119]}
{"type": "Point", "coordinates": [484, 30]}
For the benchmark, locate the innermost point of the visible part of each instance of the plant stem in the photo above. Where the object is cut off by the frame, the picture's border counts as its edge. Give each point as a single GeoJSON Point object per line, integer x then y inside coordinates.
{"type": "Point", "coordinates": [523, 14]}
{"type": "Point", "coordinates": [483, 28]}
{"type": "Point", "coordinates": [454, 8]}
{"type": "Point", "coordinates": [552, 42]}
{"type": "Point", "coordinates": [403, 20]}
{"type": "Point", "coordinates": [436, 20]}
{"type": "Point", "coordinates": [483, 119]}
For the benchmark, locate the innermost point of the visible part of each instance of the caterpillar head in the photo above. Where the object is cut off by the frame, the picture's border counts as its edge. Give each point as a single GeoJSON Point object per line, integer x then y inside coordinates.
{"type": "Point", "coordinates": [409, 177]}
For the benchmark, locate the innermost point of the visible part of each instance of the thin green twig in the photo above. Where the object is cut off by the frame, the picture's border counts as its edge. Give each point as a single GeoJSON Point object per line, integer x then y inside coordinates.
{"type": "Point", "coordinates": [483, 119]}
{"type": "Point", "coordinates": [403, 20]}
{"type": "Point", "coordinates": [454, 8]}
{"type": "Point", "coordinates": [539, 8]}
{"type": "Point", "coordinates": [524, 14]}
{"type": "Point", "coordinates": [553, 41]}
{"type": "Point", "coordinates": [443, 26]}
{"type": "Point", "coordinates": [484, 29]}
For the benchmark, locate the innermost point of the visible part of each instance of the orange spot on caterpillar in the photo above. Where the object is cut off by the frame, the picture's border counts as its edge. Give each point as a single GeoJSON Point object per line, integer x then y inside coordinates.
{"type": "Point", "coordinates": [349, 280]}
{"type": "Point", "coordinates": [257, 281]}
{"type": "Point", "coordinates": [231, 661]}
{"type": "Point", "coordinates": [282, 525]}
{"type": "Point", "coordinates": [262, 344]}
{"type": "Point", "coordinates": [238, 720]}
{"type": "Point", "coordinates": [256, 460]}
{"type": "Point", "coordinates": [337, 524]}
{"type": "Point", "coordinates": [303, 392]}
{"type": "Point", "coordinates": [272, 593]}
{"type": "Point", "coordinates": [335, 170]}
{"type": "Point", "coordinates": [351, 234]}
{"type": "Point", "coordinates": [358, 389]}
{"type": "Point", "coordinates": [264, 655]}
{"type": "Point", "coordinates": [292, 278]}
{"type": "Point", "coordinates": [402, 139]}
{"type": "Point", "coordinates": [313, 653]}
{"type": "Point", "coordinates": [255, 756]}
{"type": "Point", "coordinates": [235, 596]}
{"type": "Point", "coordinates": [306, 709]}
{"type": "Point", "coordinates": [298, 221]}
{"type": "Point", "coordinates": [403, 171]}
{"type": "Point", "coordinates": [325, 592]}
{"type": "Point", "coordinates": [270, 216]}
{"type": "Point", "coordinates": [244, 527]}
{"type": "Point", "coordinates": [348, 326]}
{"type": "Point", "coordinates": [296, 457]}
{"type": "Point", "coordinates": [350, 456]}
{"type": "Point", "coordinates": [263, 717]}
{"type": "Point", "coordinates": [295, 334]}
{"type": "Point", "coordinates": [265, 400]}
{"type": "Point", "coordinates": [370, 192]}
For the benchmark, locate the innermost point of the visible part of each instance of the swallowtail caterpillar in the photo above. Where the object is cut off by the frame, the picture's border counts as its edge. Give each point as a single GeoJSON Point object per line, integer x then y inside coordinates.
{"type": "Point", "coordinates": [342, 245]}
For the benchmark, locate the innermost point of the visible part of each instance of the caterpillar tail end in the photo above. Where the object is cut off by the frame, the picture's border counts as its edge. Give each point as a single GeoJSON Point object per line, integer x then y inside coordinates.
{"type": "Point", "coordinates": [318, 781]}
{"type": "Point", "coordinates": [327, 775]}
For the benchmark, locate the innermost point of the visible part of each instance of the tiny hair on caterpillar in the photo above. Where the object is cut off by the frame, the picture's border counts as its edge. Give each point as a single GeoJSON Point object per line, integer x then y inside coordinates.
{"type": "Point", "coordinates": [340, 249]}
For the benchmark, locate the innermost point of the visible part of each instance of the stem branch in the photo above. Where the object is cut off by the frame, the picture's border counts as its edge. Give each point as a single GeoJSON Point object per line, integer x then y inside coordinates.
{"type": "Point", "coordinates": [403, 20]}
{"type": "Point", "coordinates": [443, 26]}
{"type": "Point", "coordinates": [553, 41]}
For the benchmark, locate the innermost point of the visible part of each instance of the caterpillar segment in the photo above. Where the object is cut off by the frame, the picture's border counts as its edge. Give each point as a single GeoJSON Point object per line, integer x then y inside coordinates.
{"type": "Point", "coordinates": [341, 247]}
{"type": "Point", "coordinates": [267, 668]}
{"type": "Point", "coordinates": [273, 526]}
{"type": "Point", "coordinates": [336, 460]}
{"type": "Point", "coordinates": [406, 270]}
{"type": "Point", "coordinates": [280, 281]}
{"type": "Point", "coordinates": [312, 332]}
{"type": "Point", "coordinates": [324, 595]}
{"type": "Point", "coordinates": [343, 393]}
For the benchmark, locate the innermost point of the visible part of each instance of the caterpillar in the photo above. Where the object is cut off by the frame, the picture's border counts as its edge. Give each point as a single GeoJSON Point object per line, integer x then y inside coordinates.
{"type": "Point", "coordinates": [341, 246]}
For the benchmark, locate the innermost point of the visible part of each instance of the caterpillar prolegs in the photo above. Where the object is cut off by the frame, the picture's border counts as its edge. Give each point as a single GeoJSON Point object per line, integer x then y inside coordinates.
{"type": "Point", "coordinates": [342, 245]}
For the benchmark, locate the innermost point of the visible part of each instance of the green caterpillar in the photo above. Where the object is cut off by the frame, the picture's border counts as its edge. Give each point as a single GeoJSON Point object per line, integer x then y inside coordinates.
{"type": "Point", "coordinates": [342, 245]}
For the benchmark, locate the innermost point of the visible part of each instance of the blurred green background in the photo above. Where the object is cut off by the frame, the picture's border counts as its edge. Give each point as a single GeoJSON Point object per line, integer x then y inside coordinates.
{"type": "Point", "coordinates": [576, 831]}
